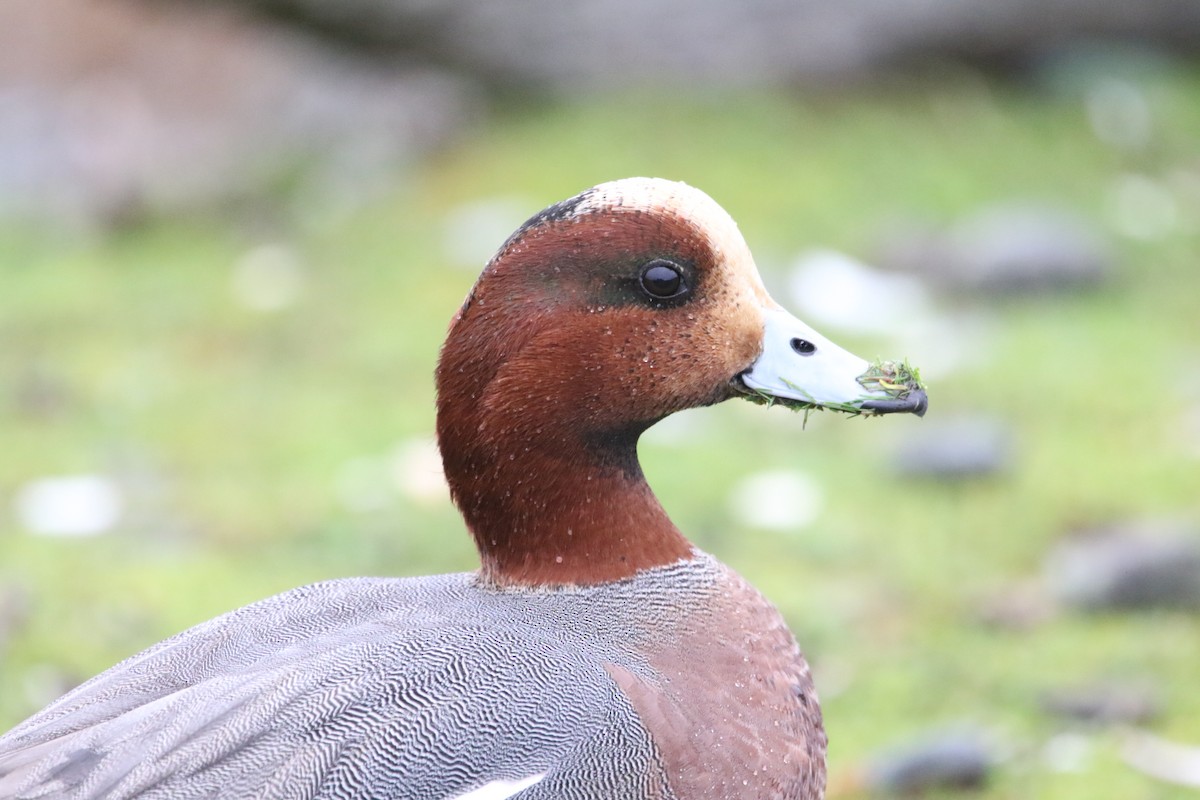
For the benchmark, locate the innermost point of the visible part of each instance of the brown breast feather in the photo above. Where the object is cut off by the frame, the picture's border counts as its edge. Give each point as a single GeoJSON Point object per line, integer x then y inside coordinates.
{"type": "Point", "coordinates": [731, 705]}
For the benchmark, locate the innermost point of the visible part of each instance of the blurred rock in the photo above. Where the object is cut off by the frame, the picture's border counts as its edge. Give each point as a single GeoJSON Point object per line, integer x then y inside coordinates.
{"type": "Point", "coordinates": [1136, 565]}
{"type": "Point", "coordinates": [1103, 703]}
{"type": "Point", "coordinates": [1017, 249]}
{"type": "Point", "coordinates": [962, 447]}
{"type": "Point", "coordinates": [1030, 249]}
{"type": "Point", "coordinates": [622, 43]}
{"type": "Point", "coordinates": [959, 759]}
{"type": "Point", "coordinates": [116, 108]}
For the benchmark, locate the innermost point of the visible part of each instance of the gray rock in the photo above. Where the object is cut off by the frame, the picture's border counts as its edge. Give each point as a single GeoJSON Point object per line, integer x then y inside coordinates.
{"type": "Point", "coordinates": [195, 105]}
{"type": "Point", "coordinates": [962, 447]}
{"type": "Point", "coordinates": [1105, 703]}
{"type": "Point", "coordinates": [620, 43]}
{"type": "Point", "coordinates": [1027, 249]}
{"type": "Point", "coordinates": [957, 759]}
{"type": "Point", "coordinates": [1129, 566]}
{"type": "Point", "coordinates": [1013, 249]}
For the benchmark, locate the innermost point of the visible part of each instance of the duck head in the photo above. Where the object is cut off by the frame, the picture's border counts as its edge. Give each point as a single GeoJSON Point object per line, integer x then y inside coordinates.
{"type": "Point", "coordinates": [600, 316]}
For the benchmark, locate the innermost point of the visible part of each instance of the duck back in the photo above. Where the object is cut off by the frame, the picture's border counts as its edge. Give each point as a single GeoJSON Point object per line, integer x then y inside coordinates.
{"type": "Point", "coordinates": [434, 687]}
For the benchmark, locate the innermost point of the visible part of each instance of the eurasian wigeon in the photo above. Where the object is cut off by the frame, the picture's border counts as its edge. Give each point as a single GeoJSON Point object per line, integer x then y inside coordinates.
{"type": "Point", "coordinates": [596, 653]}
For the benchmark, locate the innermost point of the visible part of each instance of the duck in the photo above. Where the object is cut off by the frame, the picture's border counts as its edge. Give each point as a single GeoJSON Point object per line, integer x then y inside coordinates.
{"type": "Point", "coordinates": [595, 652]}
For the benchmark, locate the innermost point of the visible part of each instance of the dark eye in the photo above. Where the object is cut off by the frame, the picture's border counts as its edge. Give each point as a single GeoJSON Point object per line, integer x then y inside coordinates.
{"type": "Point", "coordinates": [662, 279]}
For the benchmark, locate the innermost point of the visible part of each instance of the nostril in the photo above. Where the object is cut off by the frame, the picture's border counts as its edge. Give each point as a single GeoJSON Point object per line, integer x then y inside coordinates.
{"type": "Point", "coordinates": [804, 347]}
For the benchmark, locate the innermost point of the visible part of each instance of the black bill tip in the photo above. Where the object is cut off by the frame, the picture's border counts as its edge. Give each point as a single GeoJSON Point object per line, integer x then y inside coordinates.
{"type": "Point", "coordinates": [915, 402]}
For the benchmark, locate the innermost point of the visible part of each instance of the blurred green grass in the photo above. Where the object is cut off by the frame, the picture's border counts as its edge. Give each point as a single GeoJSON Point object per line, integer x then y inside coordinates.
{"type": "Point", "coordinates": [233, 426]}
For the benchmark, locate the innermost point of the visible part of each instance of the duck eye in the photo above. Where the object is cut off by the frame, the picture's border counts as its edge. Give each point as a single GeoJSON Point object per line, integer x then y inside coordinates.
{"type": "Point", "coordinates": [662, 279]}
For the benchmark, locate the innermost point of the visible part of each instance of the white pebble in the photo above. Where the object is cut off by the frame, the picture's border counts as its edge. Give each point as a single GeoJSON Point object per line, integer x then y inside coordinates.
{"type": "Point", "coordinates": [776, 500]}
{"type": "Point", "coordinates": [831, 288]}
{"type": "Point", "coordinates": [69, 505]}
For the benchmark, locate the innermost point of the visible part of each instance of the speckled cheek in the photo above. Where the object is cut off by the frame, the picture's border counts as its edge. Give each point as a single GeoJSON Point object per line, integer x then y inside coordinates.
{"type": "Point", "coordinates": [732, 312]}
{"type": "Point", "coordinates": [672, 359]}
{"type": "Point", "coordinates": [687, 355]}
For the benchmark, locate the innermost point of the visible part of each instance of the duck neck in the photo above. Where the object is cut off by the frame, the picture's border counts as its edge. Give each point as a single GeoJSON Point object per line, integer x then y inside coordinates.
{"type": "Point", "coordinates": [558, 508]}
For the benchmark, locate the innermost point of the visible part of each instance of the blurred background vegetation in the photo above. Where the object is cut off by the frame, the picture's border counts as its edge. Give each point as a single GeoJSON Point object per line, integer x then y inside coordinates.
{"type": "Point", "coordinates": [230, 244]}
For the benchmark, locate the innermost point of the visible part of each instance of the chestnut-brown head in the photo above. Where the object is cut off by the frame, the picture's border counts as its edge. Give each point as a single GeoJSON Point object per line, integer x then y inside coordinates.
{"type": "Point", "coordinates": [608, 312]}
{"type": "Point", "coordinates": [600, 316]}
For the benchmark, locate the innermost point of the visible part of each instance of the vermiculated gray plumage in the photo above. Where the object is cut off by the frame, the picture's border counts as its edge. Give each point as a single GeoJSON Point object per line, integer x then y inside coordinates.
{"type": "Point", "coordinates": [400, 688]}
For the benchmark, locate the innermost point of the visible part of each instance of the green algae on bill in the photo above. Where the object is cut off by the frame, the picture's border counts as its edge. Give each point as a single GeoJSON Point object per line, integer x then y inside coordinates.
{"type": "Point", "coordinates": [893, 386]}
{"type": "Point", "coordinates": [899, 379]}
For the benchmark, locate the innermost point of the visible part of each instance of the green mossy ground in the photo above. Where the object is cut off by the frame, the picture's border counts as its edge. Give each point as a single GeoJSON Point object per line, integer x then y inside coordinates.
{"type": "Point", "coordinates": [236, 425]}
